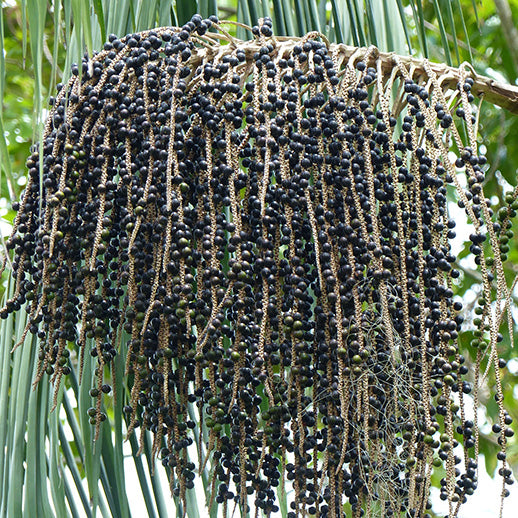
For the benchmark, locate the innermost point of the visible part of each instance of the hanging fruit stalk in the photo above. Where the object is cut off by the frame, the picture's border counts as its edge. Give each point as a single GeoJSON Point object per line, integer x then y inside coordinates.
{"type": "Point", "coordinates": [265, 225]}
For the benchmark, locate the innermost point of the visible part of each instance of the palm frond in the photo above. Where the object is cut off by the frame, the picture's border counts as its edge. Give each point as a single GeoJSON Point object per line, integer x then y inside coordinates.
{"type": "Point", "coordinates": [37, 451]}
{"type": "Point", "coordinates": [5, 163]}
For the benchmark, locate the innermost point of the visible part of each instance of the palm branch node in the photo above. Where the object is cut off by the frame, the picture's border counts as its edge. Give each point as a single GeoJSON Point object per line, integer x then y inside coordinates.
{"type": "Point", "coordinates": [262, 229]}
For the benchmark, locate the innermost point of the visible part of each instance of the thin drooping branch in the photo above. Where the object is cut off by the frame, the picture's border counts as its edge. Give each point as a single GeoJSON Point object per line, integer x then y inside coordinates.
{"type": "Point", "coordinates": [499, 94]}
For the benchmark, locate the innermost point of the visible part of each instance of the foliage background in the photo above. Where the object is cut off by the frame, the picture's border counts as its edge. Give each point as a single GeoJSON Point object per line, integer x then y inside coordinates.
{"type": "Point", "coordinates": [51, 458]}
